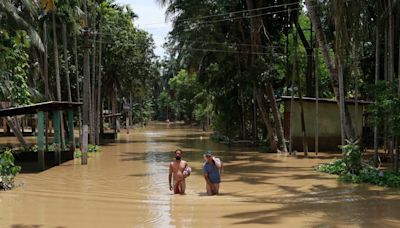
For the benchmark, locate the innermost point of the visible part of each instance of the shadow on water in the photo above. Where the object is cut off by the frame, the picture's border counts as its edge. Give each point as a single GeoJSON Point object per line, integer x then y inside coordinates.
{"type": "Point", "coordinates": [32, 226]}
{"type": "Point", "coordinates": [345, 204]}
{"type": "Point", "coordinates": [126, 185]}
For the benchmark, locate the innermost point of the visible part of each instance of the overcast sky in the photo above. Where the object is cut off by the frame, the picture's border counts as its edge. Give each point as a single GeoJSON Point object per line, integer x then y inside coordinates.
{"type": "Point", "coordinates": [151, 19]}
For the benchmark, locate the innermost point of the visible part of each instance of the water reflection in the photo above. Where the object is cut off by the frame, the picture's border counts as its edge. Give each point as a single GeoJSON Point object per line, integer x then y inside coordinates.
{"type": "Point", "coordinates": [126, 185]}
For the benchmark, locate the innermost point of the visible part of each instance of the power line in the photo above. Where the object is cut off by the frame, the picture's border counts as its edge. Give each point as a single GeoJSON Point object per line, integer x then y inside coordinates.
{"type": "Point", "coordinates": [231, 12]}
{"type": "Point", "coordinates": [206, 49]}
{"type": "Point", "coordinates": [281, 54]}
{"type": "Point", "coordinates": [231, 18]}
{"type": "Point", "coordinates": [210, 43]}
{"type": "Point", "coordinates": [247, 17]}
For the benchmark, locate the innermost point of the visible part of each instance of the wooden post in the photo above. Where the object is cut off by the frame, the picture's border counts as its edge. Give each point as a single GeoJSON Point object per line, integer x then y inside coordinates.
{"type": "Point", "coordinates": [316, 101]}
{"type": "Point", "coordinates": [71, 138]}
{"type": "Point", "coordinates": [57, 136]}
{"type": "Point", "coordinates": [40, 139]}
{"type": "Point", "coordinates": [84, 145]}
{"type": "Point", "coordinates": [4, 126]}
{"type": "Point", "coordinates": [127, 124]}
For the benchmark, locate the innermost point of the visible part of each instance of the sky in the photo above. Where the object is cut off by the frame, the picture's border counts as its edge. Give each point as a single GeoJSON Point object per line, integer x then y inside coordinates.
{"type": "Point", "coordinates": [151, 19]}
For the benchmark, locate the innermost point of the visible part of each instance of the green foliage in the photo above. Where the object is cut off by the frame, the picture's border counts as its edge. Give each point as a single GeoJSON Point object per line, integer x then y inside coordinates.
{"type": "Point", "coordinates": [14, 66]}
{"type": "Point", "coordinates": [8, 170]}
{"type": "Point", "coordinates": [165, 103]}
{"type": "Point", "coordinates": [373, 176]}
{"type": "Point", "coordinates": [352, 157]}
{"type": "Point", "coordinates": [351, 169]}
{"type": "Point", "coordinates": [334, 167]}
{"type": "Point", "coordinates": [351, 163]}
{"type": "Point", "coordinates": [387, 106]}
{"type": "Point", "coordinates": [130, 67]}
{"type": "Point", "coordinates": [184, 88]}
{"type": "Point", "coordinates": [91, 149]}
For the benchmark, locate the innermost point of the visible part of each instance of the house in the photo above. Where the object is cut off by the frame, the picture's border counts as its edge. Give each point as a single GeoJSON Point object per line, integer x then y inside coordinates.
{"type": "Point", "coordinates": [329, 130]}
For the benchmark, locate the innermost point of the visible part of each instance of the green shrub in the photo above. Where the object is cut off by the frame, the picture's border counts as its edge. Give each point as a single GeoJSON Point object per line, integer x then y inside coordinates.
{"type": "Point", "coordinates": [8, 170]}
{"type": "Point", "coordinates": [77, 153]}
{"type": "Point", "coordinates": [352, 157]}
{"type": "Point", "coordinates": [367, 174]}
{"type": "Point", "coordinates": [335, 167]}
{"type": "Point", "coordinates": [91, 149]}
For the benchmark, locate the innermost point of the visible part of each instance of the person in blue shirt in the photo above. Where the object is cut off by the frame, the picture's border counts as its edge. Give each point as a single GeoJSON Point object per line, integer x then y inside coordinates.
{"type": "Point", "coordinates": [212, 173]}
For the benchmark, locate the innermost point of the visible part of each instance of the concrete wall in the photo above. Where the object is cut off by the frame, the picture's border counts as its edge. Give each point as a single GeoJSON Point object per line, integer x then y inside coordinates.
{"type": "Point", "coordinates": [328, 124]}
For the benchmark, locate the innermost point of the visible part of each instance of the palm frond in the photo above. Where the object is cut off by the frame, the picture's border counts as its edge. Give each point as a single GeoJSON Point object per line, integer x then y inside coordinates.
{"type": "Point", "coordinates": [20, 22]}
{"type": "Point", "coordinates": [31, 6]}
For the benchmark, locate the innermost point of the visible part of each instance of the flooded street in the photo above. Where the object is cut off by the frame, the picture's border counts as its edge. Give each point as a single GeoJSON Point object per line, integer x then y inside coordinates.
{"type": "Point", "coordinates": [126, 185]}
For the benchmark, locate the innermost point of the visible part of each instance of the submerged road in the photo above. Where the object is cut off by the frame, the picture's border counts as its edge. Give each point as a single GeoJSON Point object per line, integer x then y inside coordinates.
{"type": "Point", "coordinates": [126, 185]}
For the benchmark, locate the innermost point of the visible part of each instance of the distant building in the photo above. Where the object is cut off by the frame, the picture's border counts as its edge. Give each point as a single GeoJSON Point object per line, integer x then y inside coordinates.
{"type": "Point", "coordinates": [329, 131]}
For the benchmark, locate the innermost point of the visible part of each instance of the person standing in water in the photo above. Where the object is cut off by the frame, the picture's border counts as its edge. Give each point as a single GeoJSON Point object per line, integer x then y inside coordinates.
{"type": "Point", "coordinates": [178, 171]}
{"type": "Point", "coordinates": [212, 169]}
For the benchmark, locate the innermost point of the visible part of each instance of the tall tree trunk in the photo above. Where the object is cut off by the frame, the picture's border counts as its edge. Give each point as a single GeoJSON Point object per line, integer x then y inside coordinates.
{"type": "Point", "coordinates": [45, 62]}
{"type": "Point", "coordinates": [308, 80]}
{"type": "Point", "coordinates": [114, 108]}
{"type": "Point", "coordinates": [376, 82]}
{"type": "Point", "coordinates": [398, 92]}
{"type": "Point", "coordinates": [391, 65]}
{"type": "Point", "coordinates": [254, 115]}
{"type": "Point", "coordinates": [78, 87]}
{"type": "Point", "coordinates": [86, 90]}
{"type": "Point", "coordinates": [57, 70]}
{"type": "Point", "coordinates": [316, 101]}
{"type": "Point", "coordinates": [256, 25]}
{"type": "Point", "coordinates": [266, 119]}
{"type": "Point", "coordinates": [243, 119]}
{"type": "Point", "coordinates": [391, 47]}
{"type": "Point", "coordinates": [385, 72]}
{"type": "Point", "coordinates": [93, 99]}
{"type": "Point", "coordinates": [275, 113]}
{"type": "Point", "coordinates": [341, 98]}
{"type": "Point", "coordinates": [99, 121]}
{"type": "Point", "coordinates": [333, 72]}
{"type": "Point", "coordinates": [294, 72]}
{"type": "Point", "coordinates": [309, 51]}
{"type": "Point", "coordinates": [66, 66]}
{"type": "Point", "coordinates": [303, 124]}
{"type": "Point", "coordinates": [385, 60]}
{"type": "Point", "coordinates": [56, 61]}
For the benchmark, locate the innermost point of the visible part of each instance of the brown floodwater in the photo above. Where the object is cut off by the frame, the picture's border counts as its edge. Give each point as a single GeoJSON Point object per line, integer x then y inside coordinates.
{"type": "Point", "coordinates": [126, 185]}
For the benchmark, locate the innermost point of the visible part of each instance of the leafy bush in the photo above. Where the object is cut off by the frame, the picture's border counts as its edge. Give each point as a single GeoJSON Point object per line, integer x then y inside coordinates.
{"type": "Point", "coordinates": [8, 170]}
{"type": "Point", "coordinates": [367, 174]}
{"type": "Point", "coordinates": [335, 167]}
{"type": "Point", "coordinates": [91, 149]}
{"type": "Point", "coordinates": [352, 157]}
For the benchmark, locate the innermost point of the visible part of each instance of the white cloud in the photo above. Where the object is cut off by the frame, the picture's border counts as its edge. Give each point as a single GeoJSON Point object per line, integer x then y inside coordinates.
{"type": "Point", "coordinates": [151, 19]}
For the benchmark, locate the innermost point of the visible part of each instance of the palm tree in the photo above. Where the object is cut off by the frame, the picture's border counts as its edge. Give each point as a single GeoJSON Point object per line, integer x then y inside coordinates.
{"type": "Point", "coordinates": [15, 20]}
{"type": "Point", "coordinates": [335, 70]}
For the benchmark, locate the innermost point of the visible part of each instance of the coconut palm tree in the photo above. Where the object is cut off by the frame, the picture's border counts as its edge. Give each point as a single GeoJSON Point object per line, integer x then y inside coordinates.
{"type": "Point", "coordinates": [21, 15]}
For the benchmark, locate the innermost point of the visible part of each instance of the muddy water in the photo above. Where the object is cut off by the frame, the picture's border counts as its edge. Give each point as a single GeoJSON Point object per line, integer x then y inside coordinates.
{"type": "Point", "coordinates": [126, 185]}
